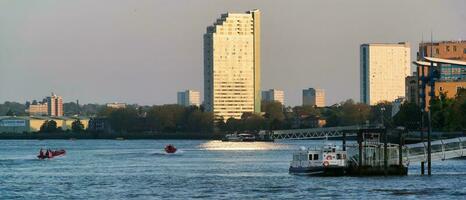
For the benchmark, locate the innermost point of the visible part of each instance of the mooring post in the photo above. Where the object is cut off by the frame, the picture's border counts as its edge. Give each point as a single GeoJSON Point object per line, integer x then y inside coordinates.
{"type": "Point", "coordinates": [400, 148]}
{"type": "Point", "coordinates": [385, 152]}
{"type": "Point", "coordinates": [344, 141]}
{"type": "Point", "coordinates": [360, 147]}
{"type": "Point", "coordinates": [429, 147]}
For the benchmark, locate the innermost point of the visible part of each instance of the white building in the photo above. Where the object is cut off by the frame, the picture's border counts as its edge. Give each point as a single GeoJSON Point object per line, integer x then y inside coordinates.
{"type": "Point", "coordinates": [232, 65]}
{"type": "Point", "coordinates": [383, 69]}
{"type": "Point", "coordinates": [116, 105]}
{"type": "Point", "coordinates": [314, 97]}
{"type": "Point", "coordinates": [273, 95]}
{"type": "Point", "coordinates": [189, 98]}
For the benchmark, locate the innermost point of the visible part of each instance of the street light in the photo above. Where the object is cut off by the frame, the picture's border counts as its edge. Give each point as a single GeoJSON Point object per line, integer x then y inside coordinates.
{"type": "Point", "coordinates": [382, 109]}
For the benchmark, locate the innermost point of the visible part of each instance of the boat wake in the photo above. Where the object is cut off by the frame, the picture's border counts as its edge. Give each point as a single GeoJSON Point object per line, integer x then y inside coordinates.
{"type": "Point", "coordinates": [163, 153]}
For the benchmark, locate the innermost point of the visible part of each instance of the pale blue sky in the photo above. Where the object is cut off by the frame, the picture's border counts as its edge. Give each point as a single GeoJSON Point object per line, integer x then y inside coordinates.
{"type": "Point", "coordinates": [145, 51]}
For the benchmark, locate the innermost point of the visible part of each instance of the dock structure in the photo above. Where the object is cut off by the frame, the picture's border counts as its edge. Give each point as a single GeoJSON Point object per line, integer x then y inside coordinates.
{"type": "Point", "coordinates": [373, 154]}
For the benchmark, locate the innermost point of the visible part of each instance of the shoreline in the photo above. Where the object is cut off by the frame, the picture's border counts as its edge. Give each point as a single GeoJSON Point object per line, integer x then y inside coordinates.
{"type": "Point", "coordinates": [112, 136]}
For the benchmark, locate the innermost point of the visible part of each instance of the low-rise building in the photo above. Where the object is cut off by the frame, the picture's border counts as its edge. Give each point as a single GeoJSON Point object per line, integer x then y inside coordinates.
{"type": "Point", "coordinates": [116, 105]}
{"type": "Point", "coordinates": [38, 109]}
{"type": "Point", "coordinates": [412, 92]}
{"type": "Point", "coordinates": [25, 124]}
{"type": "Point", "coordinates": [450, 77]}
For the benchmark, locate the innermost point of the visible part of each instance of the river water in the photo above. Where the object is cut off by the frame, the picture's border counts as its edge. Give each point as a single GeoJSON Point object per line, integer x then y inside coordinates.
{"type": "Point", "coordinates": [139, 169]}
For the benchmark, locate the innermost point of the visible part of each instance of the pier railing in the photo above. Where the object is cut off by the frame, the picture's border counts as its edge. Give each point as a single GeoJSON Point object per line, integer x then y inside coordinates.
{"type": "Point", "coordinates": [441, 150]}
{"type": "Point", "coordinates": [318, 133]}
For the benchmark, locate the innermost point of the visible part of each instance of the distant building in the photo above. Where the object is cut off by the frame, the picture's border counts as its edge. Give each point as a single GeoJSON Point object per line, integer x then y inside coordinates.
{"type": "Point", "coordinates": [314, 97]}
{"type": "Point", "coordinates": [100, 124]}
{"type": "Point", "coordinates": [116, 105]}
{"type": "Point", "coordinates": [33, 123]}
{"type": "Point", "coordinates": [38, 109]}
{"type": "Point", "coordinates": [396, 105]}
{"type": "Point", "coordinates": [451, 76]}
{"type": "Point", "coordinates": [232, 65]}
{"type": "Point", "coordinates": [189, 98]}
{"type": "Point", "coordinates": [412, 92]}
{"type": "Point", "coordinates": [306, 121]}
{"type": "Point", "coordinates": [273, 95]}
{"type": "Point", "coordinates": [451, 50]}
{"type": "Point", "coordinates": [50, 106]}
{"type": "Point", "coordinates": [54, 105]}
{"type": "Point", "coordinates": [383, 70]}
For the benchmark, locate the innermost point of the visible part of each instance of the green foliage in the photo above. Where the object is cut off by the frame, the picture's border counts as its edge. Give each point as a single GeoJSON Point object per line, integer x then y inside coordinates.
{"type": "Point", "coordinates": [346, 113]}
{"type": "Point", "coordinates": [273, 110]}
{"type": "Point", "coordinates": [382, 112]}
{"type": "Point", "coordinates": [409, 116]}
{"type": "Point", "coordinates": [123, 120]}
{"type": "Point", "coordinates": [12, 108]}
{"type": "Point", "coordinates": [77, 126]}
{"type": "Point", "coordinates": [49, 126]}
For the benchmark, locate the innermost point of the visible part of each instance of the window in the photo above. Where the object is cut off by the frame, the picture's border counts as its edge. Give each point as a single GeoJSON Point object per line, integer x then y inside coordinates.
{"type": "Point", "coordinates": [436, 51]}
{"type": "Point", "coordinates": [448, 48]}
{"type": "Point", "coordinates": [454, 48]}
{"type": "Point", "coordinates": [310, 156]}
{"type": "Point", "coordinates": [338, 156]}
{"type": "Point", "coordinates": [316, 156]}
{"type": "Point", "coordinates": [464, 50]}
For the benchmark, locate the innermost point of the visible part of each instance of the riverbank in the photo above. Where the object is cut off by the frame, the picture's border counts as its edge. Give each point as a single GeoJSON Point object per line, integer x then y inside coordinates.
{"type": "Point", "coordinates": [129, 136]}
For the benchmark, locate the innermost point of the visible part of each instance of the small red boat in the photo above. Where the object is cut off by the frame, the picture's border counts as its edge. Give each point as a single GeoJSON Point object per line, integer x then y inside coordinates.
{"type": "Point", "coordinates": [50, 154]}
{"type": "Point", "coordinates": [170, 149]}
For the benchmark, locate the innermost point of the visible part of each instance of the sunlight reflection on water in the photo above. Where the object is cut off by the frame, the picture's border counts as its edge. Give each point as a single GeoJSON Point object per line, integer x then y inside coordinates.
{"type": "Point", "coordinates": [234, 146]}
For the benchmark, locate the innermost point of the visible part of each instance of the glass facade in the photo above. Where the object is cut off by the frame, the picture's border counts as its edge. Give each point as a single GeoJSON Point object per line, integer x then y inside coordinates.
{"type": "Point", "coordinates": [452, 72]}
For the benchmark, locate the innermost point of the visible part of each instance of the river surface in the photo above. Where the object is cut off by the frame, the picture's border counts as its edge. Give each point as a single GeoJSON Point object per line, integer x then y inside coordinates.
{"type": "Point", "coordinates": [139, 169]}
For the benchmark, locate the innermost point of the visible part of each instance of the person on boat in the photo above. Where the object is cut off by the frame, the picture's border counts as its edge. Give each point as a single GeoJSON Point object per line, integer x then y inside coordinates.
{"type": "Point", "coordinates": [41, 153]}
{"type": "Point", "coordinates": [49, 153]}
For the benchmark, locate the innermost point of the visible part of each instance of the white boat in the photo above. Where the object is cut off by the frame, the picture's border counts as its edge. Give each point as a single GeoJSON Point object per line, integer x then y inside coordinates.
{"type": "Point", "coordinates": [232, 138]}
{"type": "Point", "coordinates": [327, 160]}
{"type": "Point", "coordinates": [242, 137]}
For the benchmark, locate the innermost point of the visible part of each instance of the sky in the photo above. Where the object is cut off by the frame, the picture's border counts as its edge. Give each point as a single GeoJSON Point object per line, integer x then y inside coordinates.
{"type": "Point", "coordinates": [145, 51]}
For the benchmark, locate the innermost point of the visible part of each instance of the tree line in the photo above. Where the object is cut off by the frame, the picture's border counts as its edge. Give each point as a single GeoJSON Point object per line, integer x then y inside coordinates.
{"type": "Point", "coordinates": [447, 115]}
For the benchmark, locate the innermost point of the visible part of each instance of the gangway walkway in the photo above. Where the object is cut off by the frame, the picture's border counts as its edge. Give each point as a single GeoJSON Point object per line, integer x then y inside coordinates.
{"type": "Point", "coordinates": [440, 150]}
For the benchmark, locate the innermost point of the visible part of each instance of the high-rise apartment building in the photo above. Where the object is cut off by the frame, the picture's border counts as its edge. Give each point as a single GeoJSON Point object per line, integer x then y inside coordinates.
{"type": "Point", "coordinates": [55, 105]}
{"type": "Point", "coordinates": [452, 50]}
{"type": "Point", "coordinates": [273, 95]}
{"type": "Point", "coordinates": [189, 98]}
{"type": "Point", "coordinates": [314, 97]}
{"type": "Point", "coordinates": [232, 65]}
{"type": "Point", "coordinates": [383, 69]}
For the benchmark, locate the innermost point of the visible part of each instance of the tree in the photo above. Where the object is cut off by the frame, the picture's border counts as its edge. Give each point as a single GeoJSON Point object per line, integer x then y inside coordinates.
{"type": "Point", "coordinates": [273, 110]}
{"type": "Point", "coordinates": [10, 113]}
{"type": "Point", "coordinates": [168, 118]}
{"type": "Point", "coordinates": [381, 112]}
{"type": "Point", "coordinates": [409, 116]}
{"type": "Point", "coordinates": [123, 119]}
{"type": "Point", "coordinates": [16, 108]}
{"type": "Point", "coordinates": [77, 126]}
{"type": "Point", "coordinates": [49, 126]}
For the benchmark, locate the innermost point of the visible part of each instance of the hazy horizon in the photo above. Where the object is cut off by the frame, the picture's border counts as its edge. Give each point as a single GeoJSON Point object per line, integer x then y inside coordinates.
{"type": "Point", "coordinates": [145, 51]}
